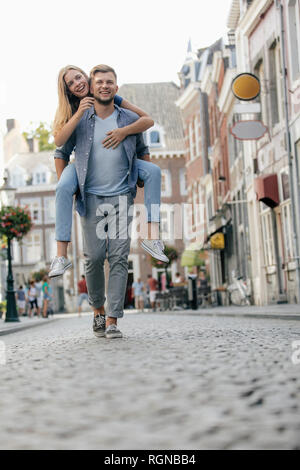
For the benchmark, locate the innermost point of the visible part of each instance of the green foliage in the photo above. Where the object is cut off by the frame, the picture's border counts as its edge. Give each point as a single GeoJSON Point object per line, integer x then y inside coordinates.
{"type": "Point", "coordinates": [170, 252]}
{"type": "Point", "coordinates": [43, 134]}
{"type": "Point", "coordinates": [15, 222]}
{"type": "Point", "coordinates": [3, 306]}
{"type": "Point", "coordinates": [38, 275]}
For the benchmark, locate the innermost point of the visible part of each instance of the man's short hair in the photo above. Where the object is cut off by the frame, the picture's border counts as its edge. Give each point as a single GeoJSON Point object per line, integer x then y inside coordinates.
{"type": "Point", "coordinates": [103, 69]}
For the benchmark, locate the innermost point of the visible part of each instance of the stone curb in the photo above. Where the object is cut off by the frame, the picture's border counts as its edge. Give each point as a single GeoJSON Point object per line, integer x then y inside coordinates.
{"type": "Point", "coordinates": [274, 316]}
{"type": "Point", "coordinates": [16, 328]}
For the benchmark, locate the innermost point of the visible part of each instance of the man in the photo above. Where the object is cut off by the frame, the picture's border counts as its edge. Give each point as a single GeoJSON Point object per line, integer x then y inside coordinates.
{"type": "Point", "coordinates": [82, 293]}
{"type": "Point", "coordinates": [153, 285]}
{"type": "Point", "coordinates": [107, 181]}
{"type": "Point", "coordinates": [138, 288]}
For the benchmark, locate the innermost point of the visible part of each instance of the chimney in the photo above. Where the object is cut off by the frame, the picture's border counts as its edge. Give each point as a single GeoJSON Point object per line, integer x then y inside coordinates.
{"type": "Point", "coordinates": [11, 124]}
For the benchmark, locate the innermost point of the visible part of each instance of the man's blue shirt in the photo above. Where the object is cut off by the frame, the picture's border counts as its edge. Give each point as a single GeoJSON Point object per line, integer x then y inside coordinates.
{"type": "Point", "coordinates": [82, 140]}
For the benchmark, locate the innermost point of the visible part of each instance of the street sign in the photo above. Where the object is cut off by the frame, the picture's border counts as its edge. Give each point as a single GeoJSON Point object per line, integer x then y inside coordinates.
{"type": "Point", "coordinates": [247, 108]}
{"type": "Point", "coordinates": [248, 130]}
{"type": "Point", "coordinates": [246, 87]}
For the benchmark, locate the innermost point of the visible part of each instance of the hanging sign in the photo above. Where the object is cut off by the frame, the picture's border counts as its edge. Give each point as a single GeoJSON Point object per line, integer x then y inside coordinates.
{"type": "Point", "coordinates": [248, 130]}
{"type": "Point", "coordinates": [217, 241]}
{"type": "Point", "coordinates": [246, 87]}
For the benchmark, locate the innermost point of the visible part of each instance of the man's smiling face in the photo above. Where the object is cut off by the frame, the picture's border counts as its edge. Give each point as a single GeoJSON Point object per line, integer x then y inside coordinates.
{"type": "Point", "coordinates": [104, 87]}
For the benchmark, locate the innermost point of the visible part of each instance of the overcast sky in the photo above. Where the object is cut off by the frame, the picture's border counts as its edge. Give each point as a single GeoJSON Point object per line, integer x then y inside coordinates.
{"type": "Point", "coordinates": [145, 41]}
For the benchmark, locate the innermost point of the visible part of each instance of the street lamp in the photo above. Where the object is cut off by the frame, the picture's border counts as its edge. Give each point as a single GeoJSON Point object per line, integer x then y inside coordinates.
{"type": "Point", "coordinates": [11, 308]}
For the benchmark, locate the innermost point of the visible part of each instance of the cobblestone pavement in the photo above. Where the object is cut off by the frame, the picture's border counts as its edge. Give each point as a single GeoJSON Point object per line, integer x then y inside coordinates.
{"type": "Point", "coordinates": [172, 382]}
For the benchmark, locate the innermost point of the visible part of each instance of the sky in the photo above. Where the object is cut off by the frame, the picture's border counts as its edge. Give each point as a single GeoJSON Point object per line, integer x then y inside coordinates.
{"type": "Point", "coordinates": [144, 41]}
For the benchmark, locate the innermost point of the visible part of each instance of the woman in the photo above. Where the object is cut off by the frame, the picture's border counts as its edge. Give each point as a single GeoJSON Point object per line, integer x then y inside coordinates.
{"type": "Point", "coordinates": [47, 296]}
{"type": "Point", "coordinates": [74, 100]}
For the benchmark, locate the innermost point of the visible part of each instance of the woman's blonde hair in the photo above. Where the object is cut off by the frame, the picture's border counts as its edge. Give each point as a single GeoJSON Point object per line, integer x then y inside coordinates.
{"type": "Point", "coordinates": [67, 102]}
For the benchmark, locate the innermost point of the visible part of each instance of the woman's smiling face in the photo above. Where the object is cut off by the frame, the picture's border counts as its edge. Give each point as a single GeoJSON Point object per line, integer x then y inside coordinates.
{"type": "Point", "coordinates": [77, 83]}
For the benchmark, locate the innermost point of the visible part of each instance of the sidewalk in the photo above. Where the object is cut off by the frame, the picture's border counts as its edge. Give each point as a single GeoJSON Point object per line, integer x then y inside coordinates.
{"type": "Point", "coordinates": [281, 312]}
{"type": "Point", "coordinates": [23, 324]}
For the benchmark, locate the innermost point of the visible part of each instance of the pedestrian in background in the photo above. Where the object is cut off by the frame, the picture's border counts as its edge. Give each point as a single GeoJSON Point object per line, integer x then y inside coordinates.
{"type": "Point", "coordinates": [21, 300]}
{"type": "Point", "coordinates": [138, 288]}
{"type": "Point", "coordinates": [39, 288]}
{"type": "Point", "coordinates": [46, 295]}
{"type": "Point", "coordinates": [32, 298]}
{"type": "Point", "coordinates": [178, 279]}
{"type": "Point", "coordinates": [82, 293]}
{"type": "Point", "coordinates": [153, 286]}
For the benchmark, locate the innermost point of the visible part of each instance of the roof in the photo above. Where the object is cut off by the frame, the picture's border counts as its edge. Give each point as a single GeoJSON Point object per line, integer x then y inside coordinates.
{"type": "Point", "coordinates": [158, 100]}
{"type": "Point", "coordinates": [34, 161]}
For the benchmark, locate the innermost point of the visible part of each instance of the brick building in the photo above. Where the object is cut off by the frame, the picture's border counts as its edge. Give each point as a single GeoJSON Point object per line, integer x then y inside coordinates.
{"type": "Point", "coordinates": [166, 143]}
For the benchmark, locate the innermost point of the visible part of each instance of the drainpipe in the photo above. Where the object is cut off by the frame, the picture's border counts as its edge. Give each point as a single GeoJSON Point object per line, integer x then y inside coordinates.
{"type": "Point", "coordinates": [289, 147]}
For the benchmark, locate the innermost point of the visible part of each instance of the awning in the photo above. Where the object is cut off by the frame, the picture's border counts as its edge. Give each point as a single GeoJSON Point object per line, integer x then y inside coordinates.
{"type": "Point", "coordinates": [266, 188]}
{"type": "Point", "coordinates": [193, 256]}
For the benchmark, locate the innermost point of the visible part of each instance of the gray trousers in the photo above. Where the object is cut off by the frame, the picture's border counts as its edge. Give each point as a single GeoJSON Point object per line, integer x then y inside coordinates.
{"type": "Point", "coordinates": [111, 214]}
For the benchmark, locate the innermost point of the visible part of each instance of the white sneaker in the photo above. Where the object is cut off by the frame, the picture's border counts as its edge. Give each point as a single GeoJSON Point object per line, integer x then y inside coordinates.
{"type": "Point", "coordinates": [58, 266]}
{"type": "Point", "coordinates": [156, 249]}
{"type": "Point", "coordinates": [112, 331]}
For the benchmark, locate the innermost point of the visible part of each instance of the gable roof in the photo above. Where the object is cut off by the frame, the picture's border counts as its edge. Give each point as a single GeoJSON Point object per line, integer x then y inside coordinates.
{"type": "Point", "coordinates": [158, 100]}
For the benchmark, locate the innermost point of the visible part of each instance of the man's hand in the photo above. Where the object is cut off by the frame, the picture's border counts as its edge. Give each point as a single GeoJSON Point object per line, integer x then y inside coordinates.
{"type": "Point", "coordinates": [114, 138]}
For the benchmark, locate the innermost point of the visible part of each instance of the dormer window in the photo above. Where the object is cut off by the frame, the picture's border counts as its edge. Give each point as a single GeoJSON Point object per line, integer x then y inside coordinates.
{"type": "Point", "coordinates": [154, 137]}
{"type": "Point", "coordinates": [40, 175]}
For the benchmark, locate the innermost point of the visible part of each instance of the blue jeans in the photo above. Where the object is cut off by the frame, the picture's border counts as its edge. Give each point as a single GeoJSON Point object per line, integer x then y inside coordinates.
{"type": "Point", "coordinates": [68, 185]}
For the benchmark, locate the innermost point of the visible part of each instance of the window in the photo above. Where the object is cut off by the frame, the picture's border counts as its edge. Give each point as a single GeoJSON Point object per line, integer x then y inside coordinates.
{"type": "Point", "coordinates": [34, 206]}
{"type": "Point", "coordinates": [275, 83]}
{"type": "Point", "coordinates": [268, 241]}
{"type": "Point", "coordinates": [40, 175]}
{"type": "Point", "coordinates": [285, 186]}
{"type": "Point", "coordinates": [294, 36]}
{"type": "Point", "coordinates": [287, 231]}
{"type": "Point", "coordinates": [191, 142]}
{"type": "Point", "coordinates": [209, 207]}
{"type": "Point", "coordinates": [260, 73]}
{"type": "Point", "coordinates": [183, 182]}
{"type": "Point", "coordinates": [49, 210]}
{"type": "Point", "coordinates": [197, 141]}
{"type": "Point", "coordinates": [154, 137]}
{"type": "Point", "coordinates": [50, 245]}
{"type": "Point", "coordinates": [166, 183]}
{"type": "Point", "coordinates": [167, 222]}
{"type": "Point", "coordinates": [32, 247]}
{"type": "Point", "coordinates": [18, 178]}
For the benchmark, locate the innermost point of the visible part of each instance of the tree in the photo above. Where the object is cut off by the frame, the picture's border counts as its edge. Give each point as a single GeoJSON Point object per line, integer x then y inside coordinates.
{"type": "Point", "coordinates": [43, 134]}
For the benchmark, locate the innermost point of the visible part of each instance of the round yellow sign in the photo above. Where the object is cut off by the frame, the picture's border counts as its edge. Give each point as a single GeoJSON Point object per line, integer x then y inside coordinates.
{"type": "Point", "coordinates": [246, 87]}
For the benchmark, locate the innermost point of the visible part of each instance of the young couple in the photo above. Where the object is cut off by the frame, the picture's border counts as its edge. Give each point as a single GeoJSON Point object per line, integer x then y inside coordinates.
{"type": "Point", "coordinates": [110, 158]}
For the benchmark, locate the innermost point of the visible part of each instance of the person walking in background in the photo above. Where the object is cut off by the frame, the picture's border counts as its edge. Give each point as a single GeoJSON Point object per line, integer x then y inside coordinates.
{"type": "Point", "coordinates": [32, 298]}
{"type": "Point", "coordinates": [138, 288]}
{"type": "Point", "coordinates": [153, 286]}
{"type": "Point", "coordinates": [21, 300]}
{"type": "Point", "coordinates": [178, 279]}
{"type": "Point", "coordinates": [39, 289]}
{"type": "Point", "coordinates": [46, 295]}
{"type": "Point", "coordinates": [82, 293]}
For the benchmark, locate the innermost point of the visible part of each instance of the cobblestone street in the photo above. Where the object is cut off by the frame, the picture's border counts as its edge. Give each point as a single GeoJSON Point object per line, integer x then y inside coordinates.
{"type": "Point", "coordinates": [173, 382]}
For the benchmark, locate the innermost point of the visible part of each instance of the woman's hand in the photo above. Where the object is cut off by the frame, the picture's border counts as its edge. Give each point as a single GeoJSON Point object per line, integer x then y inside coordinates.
{"type": "Point", "coordinates": [114, 138]}
{"type": "Point", "coordinates": [85, 104]}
